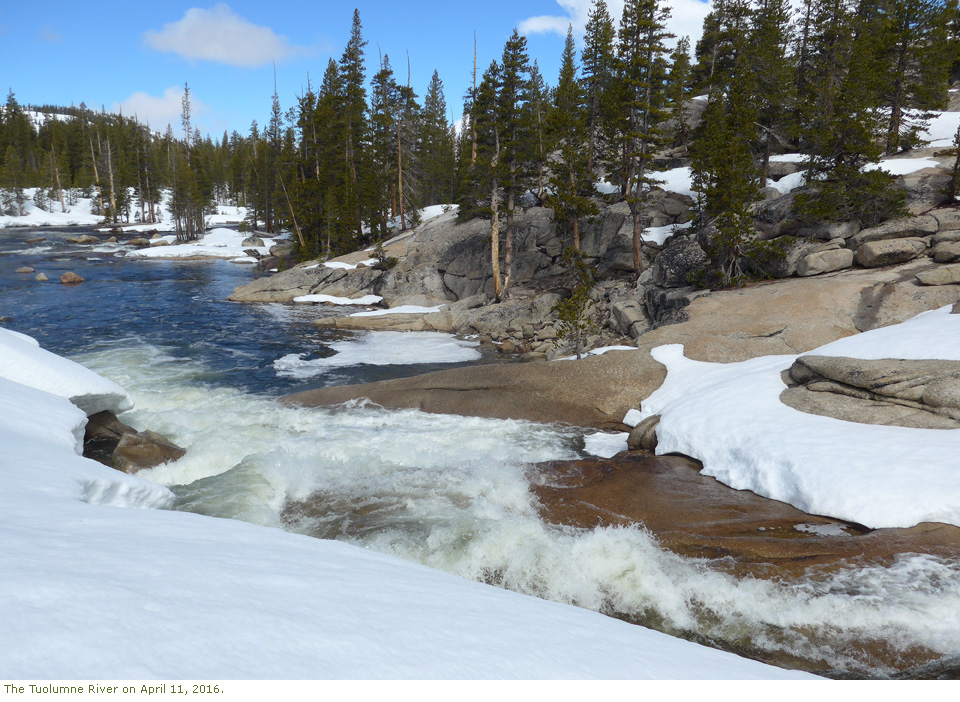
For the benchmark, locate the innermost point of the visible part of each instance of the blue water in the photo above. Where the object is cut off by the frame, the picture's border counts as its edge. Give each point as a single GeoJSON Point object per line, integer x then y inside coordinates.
{"type": "Point", "coordinates": [180, 306]}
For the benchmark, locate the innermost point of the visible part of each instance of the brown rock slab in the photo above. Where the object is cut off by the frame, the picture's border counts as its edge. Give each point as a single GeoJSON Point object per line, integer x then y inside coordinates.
{"type": "Point", "coordinates": [70, 278]}
{"type": "Point", "coordinates": [24, 269]}
{"type": "Point", "coordinates": [825, 262]}
{"type": "Point", "coordinates": [942, 275]}
{"type": "Point", "coordinates": [946, 252]}
{"type": "Point", "coordinates": [697, 516]}
{"type": "Point", "coordinates": [875, 254]}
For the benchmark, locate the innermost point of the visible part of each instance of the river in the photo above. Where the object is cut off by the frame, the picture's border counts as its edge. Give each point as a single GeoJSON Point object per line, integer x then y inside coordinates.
{"type": "Point", "coordinates": [450, 492]}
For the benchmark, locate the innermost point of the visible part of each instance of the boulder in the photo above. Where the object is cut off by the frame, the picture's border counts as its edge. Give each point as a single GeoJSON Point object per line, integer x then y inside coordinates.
{"type": "Point", "coordinates": [875, 254]}
{"type": "Point", "coordinates": [159, 242]}
{"type": "Point", "coordinates": [111, 240]}
{"type": "Point", "coordinates": [84, 239]}
{"type": "Point", "coordinates": [24, 269]}
{"type": "Point", "coordinates": [70, 278]}
{"type": "Point", "coordinates": [673, 266]}
{"type": "Point", "coordinates": [138, 241]}
{"type": "Point", "coordinates": [36, 240]}
{"type": "Point", "coordinates": [41, 278]}
{"type": "Point", "coordinates": [156, 235]}
{"type": "Point", "coordinates": [829, 230]}
{"type": "Point", "coordinates": [896, 229]}
{"type": "Point", "coordinates": [948, 218]}
{"type": "Point", "coordinates": [941, 275]}
{"type": "Point", "coordinates": [777, 217]}
{"type": "Point", "coordinates": [825, 262]}
{"type": "Point", "coordinates": [252, 241]}
{"type": "Point", "coordinates": [667, 306]}
{"type": "Point", "coordinates": [794, 251]}
{"type": "Point", "coordinates": [932, 385]}
{"type": "Point", "coordinates": [863, 411]}
{"type": "Point", "coordinates": [627, 313]}
{"type": "Point", "coordinates": [946, 252]}
{"type": "Point", "coordinates": [644, 435]}
{"type": "Point", "coordinates": [145, 449]}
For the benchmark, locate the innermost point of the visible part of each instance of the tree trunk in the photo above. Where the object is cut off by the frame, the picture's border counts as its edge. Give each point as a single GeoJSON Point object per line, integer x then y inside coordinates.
{"type": "Point", "coordinates": [113, 194]}
{"type": "Point", "coordinates": [96, 176]}
{"type": "Point", "coordinates": [63, 204]}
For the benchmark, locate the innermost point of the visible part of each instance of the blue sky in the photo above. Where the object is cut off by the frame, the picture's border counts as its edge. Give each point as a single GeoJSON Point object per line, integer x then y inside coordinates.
{"type": "Point", "coordinates": [137, 56]}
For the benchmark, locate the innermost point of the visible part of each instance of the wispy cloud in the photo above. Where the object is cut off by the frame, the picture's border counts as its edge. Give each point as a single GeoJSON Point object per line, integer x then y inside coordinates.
{"type": "Point", "coordinates": [51, 35]}
{"type": "Point", "coordinates": [222, 36]}
{"type": "Point", "coordinates": [686, 17]}
{"type": "Point", "coordinates": [160, 111]}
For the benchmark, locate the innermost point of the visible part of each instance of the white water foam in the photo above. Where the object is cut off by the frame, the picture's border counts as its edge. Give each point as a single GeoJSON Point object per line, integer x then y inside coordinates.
{"type": "Point", "coordinates": [453, 493]}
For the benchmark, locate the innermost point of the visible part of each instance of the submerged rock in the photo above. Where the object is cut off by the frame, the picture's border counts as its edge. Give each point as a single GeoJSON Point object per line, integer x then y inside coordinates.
{"type": "Point", "coordinates": [24, 269]}
{"type": "Point", "coordinates": [120, 446]}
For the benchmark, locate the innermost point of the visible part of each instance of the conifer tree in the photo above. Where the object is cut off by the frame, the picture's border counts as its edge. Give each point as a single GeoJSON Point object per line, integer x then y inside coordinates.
{"type": "Point", "coordinates": [571, 180]}
{"type": "Point", "coordinates": [678, 88]}
{"type": "Point", "coordinates": [437, 155]}
{"type": "Point", "coordinates": [642, 60]}
{"type": "Point", "coordinates": [352, 76]}
{"type": "Point", "coordinates": [599, 67]}
{"type": "Point", "coordinates": [515, 130]}
{"type": "Point", "coordinates": [11, 181]}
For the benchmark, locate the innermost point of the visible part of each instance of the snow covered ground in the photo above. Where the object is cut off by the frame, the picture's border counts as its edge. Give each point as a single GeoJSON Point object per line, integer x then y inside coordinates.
{"type": "Point", "coordinates": [381, 349]}
{"type": "Point", "coordinates": [101, 581]}
{"type": "Point", "coordinates": [81, 214]}
{"type": "Point", "coordinates": [216, 243]}
{"type": "Point", "coordinates": [334, 300]}
{"type": "Point", "coordinates": [729, 416]}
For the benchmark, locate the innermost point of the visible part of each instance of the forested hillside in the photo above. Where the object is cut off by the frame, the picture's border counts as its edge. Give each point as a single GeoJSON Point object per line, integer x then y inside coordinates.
{"type": "Point", "coordinates": [841, 81]}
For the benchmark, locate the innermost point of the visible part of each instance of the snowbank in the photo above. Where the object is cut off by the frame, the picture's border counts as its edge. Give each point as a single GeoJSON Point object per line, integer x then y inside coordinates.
{"type": "Point", "coordinates": [216, 243]}
{"type": "Point", "coordinates": [343, 265]}
{"type": "Point", "coordinates": [76, 215]}
{"type": "Point", "coordinates": [729, 416]}
{"type": "Point", "coordinates": [381, 349]}
{"type": "Point", "coordinates": [89, 591]}
{"type": "Point", "coordinates": [334, 300]}
{"type": "Point", "coordinates": [23, 361]}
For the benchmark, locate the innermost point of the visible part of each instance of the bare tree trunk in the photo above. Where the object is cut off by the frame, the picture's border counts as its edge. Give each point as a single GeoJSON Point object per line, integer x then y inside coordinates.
{"type": "Point", "coordinates": [113, 194]}
{"type": "Point", "coordinates": [56, 173]}
{"type": "Point", "coordinates": [293, 216]}
{"type": "Point", "coordinates": [495, 220]}
{"type": "Point", "coordinates": [96, 176]}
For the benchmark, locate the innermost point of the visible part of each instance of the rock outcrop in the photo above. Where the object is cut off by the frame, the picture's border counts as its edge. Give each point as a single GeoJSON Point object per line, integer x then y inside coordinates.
{"type": "Point", "coordinates": [120, 446]}
{"type": "Point", "coordinates": [926, 393]}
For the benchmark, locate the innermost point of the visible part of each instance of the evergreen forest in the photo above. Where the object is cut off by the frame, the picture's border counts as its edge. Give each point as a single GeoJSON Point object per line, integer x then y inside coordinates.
{"type": "Point", "coordinates": [843, 82]}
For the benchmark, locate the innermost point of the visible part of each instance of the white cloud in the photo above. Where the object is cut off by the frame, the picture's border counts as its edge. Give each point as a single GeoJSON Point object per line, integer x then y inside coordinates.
{"type": "Point", "coordinates": [686, 18]}
{"type": "Point", "coordinates": [158, 112]}
{"type": "Point", "coordinates": [220, 35]}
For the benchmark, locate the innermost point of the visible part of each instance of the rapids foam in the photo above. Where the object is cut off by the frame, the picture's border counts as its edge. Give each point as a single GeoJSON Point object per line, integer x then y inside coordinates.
{"type": "Point", "coordinates": [453, 493]}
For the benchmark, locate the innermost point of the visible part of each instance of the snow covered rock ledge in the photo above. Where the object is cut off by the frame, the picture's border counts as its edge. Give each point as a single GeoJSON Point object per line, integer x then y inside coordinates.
{"type": "Point", "coordinates": [23, 361]}
{"type": "Point", "coordinates": [730, 417]}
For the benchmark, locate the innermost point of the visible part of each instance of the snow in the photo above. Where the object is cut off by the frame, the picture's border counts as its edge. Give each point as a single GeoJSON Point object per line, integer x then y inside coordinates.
{"type": "Point", "coordinates": [349, 266]}
{"type": "Point", "coordinates": [789, 182]}
{"type": "Point", "coordinates": [102, 580]}
{"type": "Point", "coordinates": [23, 361]}
{"type": "Point", "coordinates": [402, 309]}
{"type": "Point", "coordinates": [81, 214]}
{"type": "Point", "coordinates": [729, 416]}
{"type": "Point", "coordinates": [598, 352]}
{"type": "Point", "coordinates": [902, 166]}
{"type": "Point", "coordinates": [334, 300]}
{"type": "Point", "coordinates": [659, 235]}
{"type": "Point", "coordinates": [942, 128]}
{"type": "Point", "coordinates": [381, 349]}
{"type": "Point", "coordinates": [605, 445]}
{"type": "Point", "coordinates": [677, 180]}
{"type": "Point", "coordinates": [216, 243]}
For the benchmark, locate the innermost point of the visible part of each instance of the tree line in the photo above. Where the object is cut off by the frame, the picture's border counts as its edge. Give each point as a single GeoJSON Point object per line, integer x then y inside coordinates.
{"type": "Point", "coordinates": [841, 81]}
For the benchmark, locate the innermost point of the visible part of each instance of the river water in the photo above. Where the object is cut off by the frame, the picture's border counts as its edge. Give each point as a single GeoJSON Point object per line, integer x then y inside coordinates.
{"type": "Point", "coordinates": [449, 492]}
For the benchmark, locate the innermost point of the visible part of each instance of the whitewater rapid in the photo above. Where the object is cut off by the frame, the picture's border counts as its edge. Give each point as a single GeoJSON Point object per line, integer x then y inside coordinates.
{"type": "Point", "coordinates": [453, 493]}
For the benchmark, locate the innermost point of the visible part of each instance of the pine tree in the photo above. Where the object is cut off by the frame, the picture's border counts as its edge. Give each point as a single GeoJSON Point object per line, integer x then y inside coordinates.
{"type": "Point", "coordinates": [515, 133]}
{"type": "Point", "coordinates": [437, 148]}
{"type": "Point", "coordinates": [772, 71]}
{"type": "Point", "coordinates": [11, 182]}
{"type": "Point", "coordinates": [642, 59]}
{"type": "Point", "coordinates": [917, 65]}
{"type": "Point", "coordinates": [678, 88]}
{"type": "Point", "coordinates": [599, 67]}
{"type": "Point", "coordinates": [352, 77]}
{"type": "Point", "coordinates": [571, 180]}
